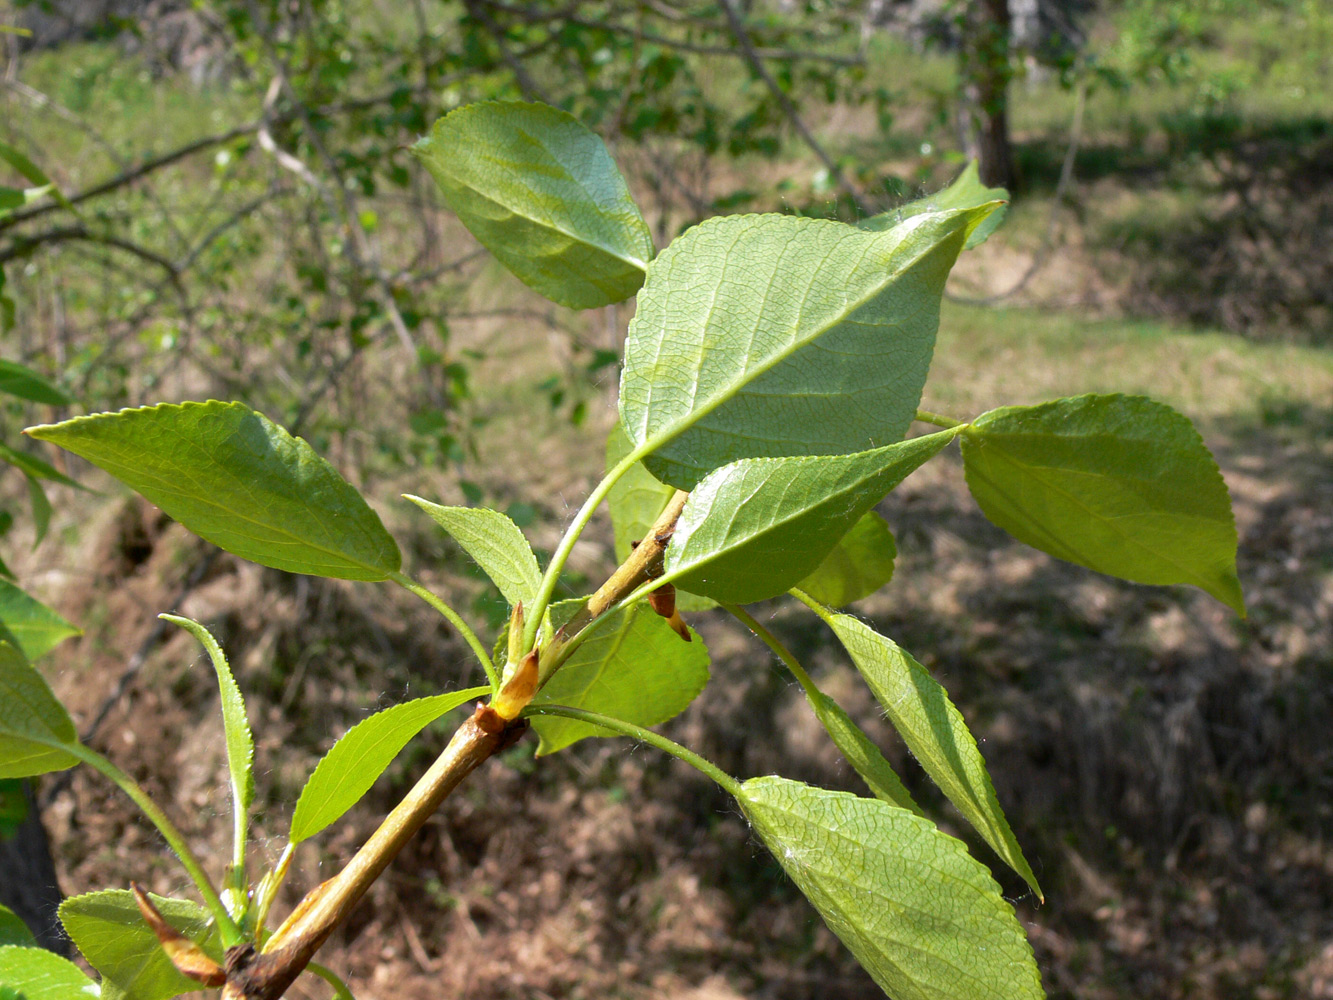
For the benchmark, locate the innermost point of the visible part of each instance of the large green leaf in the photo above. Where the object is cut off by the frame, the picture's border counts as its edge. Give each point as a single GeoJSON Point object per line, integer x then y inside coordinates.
{"type": "Point", "coordinates": [635, 502]}
{"type": "Point", "coordinates": [348, 770]}
{"type": "Point", "coordinates": [235, 725]}
{"type": "Point", "coordinates": [28, 624]}
{"type": "Point", "coordinates": [240, 481]}
{"type": "Point", "coordinates": [632, 667]}
{"type": "Point", "coordinates": [753, 529]}
{"type": "Point", "coordinates": [934, 730]}
{"type": "Point", "coordinates": [35, 730]}
{"type": "Point", "coordinates": [1119, 484]}
{"type": "Point", "coordinates": [19, 380]}
{"type": "Point", "coordinates": [14, 931]}
{"type": "Point", "coordinates": [541, 192]}
{"type": "Point", "coordinates": [769, 335]}
{"type": "Point", "coordinates": [859, 564]}
{"type": "Point", "coordinates": [37, 974]}
{"type": "Point", "coordinates": [966, 191]}
{"type": "Point", "coordinates": [924, 918]}
{"type": "Point", "coordinates": [495, 543]}
{"type": "Point", "coordinates": [112, 935]}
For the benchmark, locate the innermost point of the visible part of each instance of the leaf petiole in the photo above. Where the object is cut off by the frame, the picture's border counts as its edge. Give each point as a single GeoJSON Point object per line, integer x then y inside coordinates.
{"type": "Point", "coordinates": [454, 619]}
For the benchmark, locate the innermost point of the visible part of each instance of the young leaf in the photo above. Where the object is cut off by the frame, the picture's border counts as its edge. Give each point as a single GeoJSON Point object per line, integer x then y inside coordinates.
{"type": "Point", "coordinates": [754, 528]}
{"type": "Point", "coordinates": [19, 380]}
{"type": "Point", "coordinates": [541, 192]}
{"type": "Point", "coordinates": [769, 335]}
{"type": "Point", "coordinates": [348, 770]}
{"type": "Point", "coordinates": [966, 191]}
{"type": "Point", "coordinates": [934, 731]}
{"type": "Point", "coordinates": [240, 481]}
{"type": "Point", "coordinates": [33, 466]}
{"type": "Point", "coordinates": [35, 729]}
{"type": "Point", "coordinates": [236, 727]}
{"type": "Point", "coordinates": [36, 974]}
{"type": "Point", "coordinates": [924, 918]}
{"type": "Point", "coordinates": [112, 935]}
{"type": "Point", "coordinates": [14, 931]}
{"type": "Point", "coordinates": [858, 565]}
{"type": "Point", "coordinates": [860, 751]}
{"type": "Point", "coordinates": [632, 667]}
{"type": "Point", "coordinates": [635, 502]}
{"type": "Point", "coordinates": [1120, 484]}
{"type": "Point", "coordinates": [29, 625]}
{"type": "Point", "coordinates": [41, 510]}
{"type": "Point", "coordinates": [495, 543]}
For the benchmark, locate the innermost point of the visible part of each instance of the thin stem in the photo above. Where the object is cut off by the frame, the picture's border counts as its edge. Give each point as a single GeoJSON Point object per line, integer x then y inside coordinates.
{"type": "Point", "coordinates": [231, 934]}
{"type": "Point", "coordinates": [775, 644]}
{"type": "Point", "coordinates": [926, 417]}
{"type": "Point", "coordinates": [812, 604]}
{"type": "Point", "coordinates": [561, 556]}
{"type": "Point", "coordinates": [407, 583]}
{"type": "Point", "coordinates": [269, 886]}
{"type": "Point", "coordinates": [728, 783]}
{"type": "Point", "coordinates": [340, 989]}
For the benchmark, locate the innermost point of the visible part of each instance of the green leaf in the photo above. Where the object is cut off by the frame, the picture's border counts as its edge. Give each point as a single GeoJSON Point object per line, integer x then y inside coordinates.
{"type": "Point", "coordinates": [36, 974]}
{"type": "Point", "coordinates": [965, 192]}
{"type": "Point", "coordinates": [26, 168]}
{"type": "Point", "coordinates": [235, 478]}
{"type": "Point", "coordinates": [924, 918]}
{"type": "Point", "coordinates": [541, 192]}
{"type": "Point", "coordinates": [41, 510]}
{"type": "Point", "coordinates": [860, 751]}
{"type": "Point", "coordinates": [1120, 484]}
{"type": "Point", "coordinates": [14, 931]}
{"type": "Point", "coordinates": [753, 529]}
{"type": "Point", "coordinates": [632, 667]}
{"type": "Point", "coordinates": [348, 770]}
{"type": "Point", "coordinates": [635, 502]}
{"type": "Point", "coordinates": [113, 937]}
{"type": "Point", "coordinates": [235, 725]}
{"type": "Point", "coordinates": [495, 543]}
{"type": "Point", "coordinates": [35, 730]}
{"type": "Point", "coordinates": [19, 380]}
{"type": "Point", "coordinates": [29, 625]}
{"type": "Point", "coordinates": [859, 564]}
{"type": "Point", "coordinates": [769, 335]}
{"type": "Point", "coordinates": [33, 466]}
{"type": "Point", "coordinates": [934, 730]}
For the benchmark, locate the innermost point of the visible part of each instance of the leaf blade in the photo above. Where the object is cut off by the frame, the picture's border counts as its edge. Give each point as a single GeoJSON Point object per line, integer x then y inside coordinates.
{"type": "Point", "coordinates": [934, 730]}
{"type": "Point", "coordinates": [1122, 485]}
{"type": "Point", "coordinates": [631, 667]}
{"type": "Point", "coordinates": [494, 542]}
{"type": "Point", "coordinates": [540, 191]}
{"type": "Point", "coordinates": [755, 528]}
{"type": "Point", "coordinates": [35, 730]}
{"type": "Point", "coordinates": [769, 335]}
{"type": "Point", "coordinates": [966, 191]}
{"type": "Point", "coordinates": [858, 565]}
{"type": "Point", "coordinates": [936, 926]}
{"type": "Point", "coordinates": [37, 974]}
{"type": "Point", "coordinates": [21, 381]}
{"type": "Point", "coordinates": [29, 625]}
{"type": "Point", "coordinates": [354, 763]}
{"type": "Point", "coordinates": [240, 481]}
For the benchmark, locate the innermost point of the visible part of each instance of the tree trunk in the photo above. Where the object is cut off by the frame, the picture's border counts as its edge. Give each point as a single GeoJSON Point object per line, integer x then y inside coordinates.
{"type": "Point", "coordinates": [986, 71]}
{"type": "Point", "coordinates": [28, 883]}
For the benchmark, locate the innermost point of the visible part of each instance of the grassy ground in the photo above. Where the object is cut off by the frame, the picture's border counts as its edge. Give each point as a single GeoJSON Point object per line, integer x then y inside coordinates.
{"type": "Point", "coordinates": [1166, 766]}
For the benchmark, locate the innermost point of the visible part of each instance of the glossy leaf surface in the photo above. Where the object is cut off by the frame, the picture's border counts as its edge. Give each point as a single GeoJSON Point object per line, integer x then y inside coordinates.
{"type": "Point", "coordinates": [112, 935]}
{"type": "Point", "coordinates": [755, 528]}
{"type": "Point", "coordinates": [923, 917]}
{"type": "Point", "coordinates": [1122, 485]}
{"type": "Point", "coordinates": [240, 481]}
{"type": "Point", "coordinates": [859, 564]}
{"type": "Point", "coordinates": [495, 543]}
{"type": "Point", "coordinates": [35, 729]}
{"type": "Point", "coordinates": [28, 624]}
{"type": "Point", "coordinates": [632, 667]}
{"type": "Point", "coordinates": [770, 335]}
{"type": "Point", "coordinates": [236, 727]}
{"type": "Point", "coordinates": [966, 191]}
{"type": "Point", "coordinates": [348, 770]}
{"type": "Point", "coordinates": [38, 974]}
{"type": "Point", "coordinates": [540, 191]}
{"type": "Point", "coordinates": [935, 732]}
